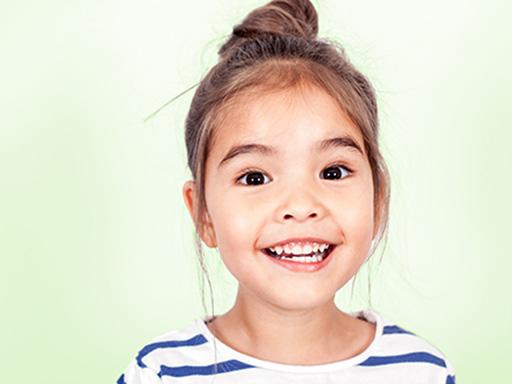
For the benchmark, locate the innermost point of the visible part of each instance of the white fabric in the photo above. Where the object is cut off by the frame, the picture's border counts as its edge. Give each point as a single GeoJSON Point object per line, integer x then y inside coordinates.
{"type": "Point", "coordinates": [186, 356]}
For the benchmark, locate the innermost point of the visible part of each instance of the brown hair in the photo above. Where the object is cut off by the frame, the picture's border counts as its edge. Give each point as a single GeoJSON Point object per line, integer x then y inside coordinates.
{"type": "Point", "coordinates": [276, 48]}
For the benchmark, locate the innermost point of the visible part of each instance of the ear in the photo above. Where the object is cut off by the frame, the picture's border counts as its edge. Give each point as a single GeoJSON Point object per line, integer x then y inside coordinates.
{"type": "Point", "coordinates": [378, 213]}
{"type": "Point", "coordinates": [204, 227]}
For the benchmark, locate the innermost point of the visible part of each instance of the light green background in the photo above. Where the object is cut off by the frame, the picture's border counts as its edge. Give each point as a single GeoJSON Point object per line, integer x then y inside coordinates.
{"type": "Point", "coordinates": [95, 241]}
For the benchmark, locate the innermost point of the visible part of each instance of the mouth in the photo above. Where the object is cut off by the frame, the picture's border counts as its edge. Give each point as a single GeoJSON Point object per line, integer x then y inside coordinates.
{"type": "Point", "coordinates": [314, 257]}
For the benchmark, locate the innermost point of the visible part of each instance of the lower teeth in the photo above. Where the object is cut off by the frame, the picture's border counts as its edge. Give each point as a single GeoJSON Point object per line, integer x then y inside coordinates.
{"type": "Point", "coordinates": [307, 259]}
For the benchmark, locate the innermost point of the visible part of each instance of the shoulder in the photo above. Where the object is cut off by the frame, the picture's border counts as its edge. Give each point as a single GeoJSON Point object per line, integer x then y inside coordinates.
{"type": "Point", "coordinates": [405, 349]}
{"type": "Point", "coordinates": [175, 348]}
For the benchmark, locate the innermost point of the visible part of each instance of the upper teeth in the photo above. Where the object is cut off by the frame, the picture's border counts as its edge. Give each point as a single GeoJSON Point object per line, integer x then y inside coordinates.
{"type": "Point", "coordinates": [297, 249]}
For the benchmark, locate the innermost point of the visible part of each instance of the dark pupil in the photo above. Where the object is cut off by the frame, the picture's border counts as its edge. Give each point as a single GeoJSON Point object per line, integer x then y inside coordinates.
{"type": "Point", "coordinates": [332, 171]}
{"type": "Point", "coordinates": [255, 176]}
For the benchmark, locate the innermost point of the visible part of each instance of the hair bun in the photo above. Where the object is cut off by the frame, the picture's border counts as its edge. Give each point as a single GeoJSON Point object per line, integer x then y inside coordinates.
{"type": "Point", "coordinates": [282, 17]}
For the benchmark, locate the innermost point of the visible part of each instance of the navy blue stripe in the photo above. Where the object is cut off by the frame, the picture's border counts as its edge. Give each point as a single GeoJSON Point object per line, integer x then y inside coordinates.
{"type": "Point", "coordinates": [196, 340]}
{"type": "Point", "coordinates": [388, 329]}
{"type": "Point", "coordinates": [121, 380]}
{"type": "Point", "coordinates": [415, 357]}
{"type": "Point", "coordinates": [450, 379]}
{"type": "Point", "coordinates": [204, 370]}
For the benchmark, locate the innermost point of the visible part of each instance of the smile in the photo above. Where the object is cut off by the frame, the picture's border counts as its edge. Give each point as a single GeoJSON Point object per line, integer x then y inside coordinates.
{"type": "Point", "coordinates": [311, 262]}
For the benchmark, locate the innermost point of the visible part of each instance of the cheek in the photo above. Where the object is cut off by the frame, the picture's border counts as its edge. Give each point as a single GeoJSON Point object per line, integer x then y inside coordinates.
{"type": "Point", "coordinates": [240, 212]}
{"type": "Point", "coordinates": [354, 213]}
{"type": "Point", "coordinates": [235, 223]}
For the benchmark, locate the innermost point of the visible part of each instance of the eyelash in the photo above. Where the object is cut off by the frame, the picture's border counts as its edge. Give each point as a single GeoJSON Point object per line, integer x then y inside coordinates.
{"type": "Point", "coordinates": [253, 170]}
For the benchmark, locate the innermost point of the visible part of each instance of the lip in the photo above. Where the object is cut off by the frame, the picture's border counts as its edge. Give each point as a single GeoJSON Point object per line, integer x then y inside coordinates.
{"type": "Point", "coordinates": [302, 267]}
{"type": "Point", "coordinates": [300, 240]}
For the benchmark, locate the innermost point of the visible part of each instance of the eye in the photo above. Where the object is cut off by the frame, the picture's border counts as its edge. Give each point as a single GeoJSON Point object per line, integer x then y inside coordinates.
{"type": "Point", "coordinates": [333, 172]}
{"type": "Point", "coordinates": [252, 177]}
{"type": "Point", "coordinates": [255, 177]}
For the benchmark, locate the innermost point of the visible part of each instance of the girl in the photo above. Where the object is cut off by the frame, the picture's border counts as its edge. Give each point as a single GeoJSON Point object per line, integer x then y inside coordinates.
{"type": "Point", "coordinates": [290, 186]}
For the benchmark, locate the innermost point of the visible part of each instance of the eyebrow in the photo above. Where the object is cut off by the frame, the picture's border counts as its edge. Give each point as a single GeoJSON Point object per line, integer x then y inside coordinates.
{"type": "Point", "coordinates": [323, 145]}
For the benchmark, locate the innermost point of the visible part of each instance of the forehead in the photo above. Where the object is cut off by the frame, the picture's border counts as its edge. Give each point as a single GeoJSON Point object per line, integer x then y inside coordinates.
{"type": "Point", "coordinates": [301, 114]}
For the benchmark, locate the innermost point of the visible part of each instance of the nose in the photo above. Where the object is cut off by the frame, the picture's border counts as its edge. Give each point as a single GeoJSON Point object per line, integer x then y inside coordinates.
{"type": "Point", "coordinates": [300, 204]}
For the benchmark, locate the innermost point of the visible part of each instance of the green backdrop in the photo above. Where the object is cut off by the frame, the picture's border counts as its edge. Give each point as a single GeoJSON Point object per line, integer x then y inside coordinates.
{"type": "Point", "coordinates": [95, 241]}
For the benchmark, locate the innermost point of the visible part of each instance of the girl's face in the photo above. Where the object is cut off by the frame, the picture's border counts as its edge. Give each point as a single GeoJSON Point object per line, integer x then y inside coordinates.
{"type": "Point", "coordinates": [290, 187]}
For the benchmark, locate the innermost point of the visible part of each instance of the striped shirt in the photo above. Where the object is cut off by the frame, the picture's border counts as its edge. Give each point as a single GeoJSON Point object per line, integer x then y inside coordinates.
{"type": "Point", "coordinates": [187, 356]}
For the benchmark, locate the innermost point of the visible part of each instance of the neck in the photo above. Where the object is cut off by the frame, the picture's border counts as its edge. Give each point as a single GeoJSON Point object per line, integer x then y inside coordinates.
{"type": "Point", "coordinates": [304, 336]}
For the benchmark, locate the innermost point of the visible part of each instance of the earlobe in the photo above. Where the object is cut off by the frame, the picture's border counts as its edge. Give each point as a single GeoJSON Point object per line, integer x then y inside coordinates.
{"type": "Point", "coordinates": [209, 233]}
{"type": "Point", "coordinates": [378, 216]}
{"type": "Point", "coordinates": [376, 224]}
{"type": "Point", "coordinates": [204, 227]}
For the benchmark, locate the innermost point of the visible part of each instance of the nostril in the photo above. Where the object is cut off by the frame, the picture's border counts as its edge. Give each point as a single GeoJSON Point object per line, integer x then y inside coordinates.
{"type": "Point", "coordinates": [288, 216]}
